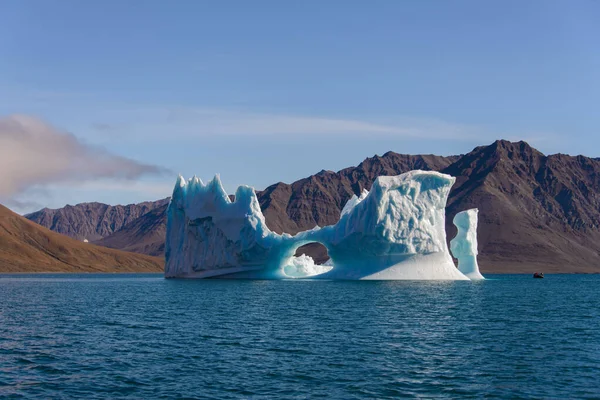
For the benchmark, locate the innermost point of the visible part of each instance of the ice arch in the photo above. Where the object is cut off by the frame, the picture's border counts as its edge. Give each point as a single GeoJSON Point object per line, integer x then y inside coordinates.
{"type": "Point", "coordinates": [396, 231]}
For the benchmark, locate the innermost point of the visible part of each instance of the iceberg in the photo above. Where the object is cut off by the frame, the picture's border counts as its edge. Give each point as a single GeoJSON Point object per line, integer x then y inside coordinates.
{"type": "Point", "coordinates": [464, 245]}
{"type": "Point", "coordinates": [395, 231]}
{"type": "Point", "coordinates": [354, 200]}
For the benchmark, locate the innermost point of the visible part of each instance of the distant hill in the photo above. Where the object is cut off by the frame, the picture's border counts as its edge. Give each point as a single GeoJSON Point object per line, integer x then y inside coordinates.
{"type": "Point", "coordinates": [91, 221]}
{"type": "Point", "coordinates": [29, 247]}
{"type": "Point", "coordinates": [537, 212]}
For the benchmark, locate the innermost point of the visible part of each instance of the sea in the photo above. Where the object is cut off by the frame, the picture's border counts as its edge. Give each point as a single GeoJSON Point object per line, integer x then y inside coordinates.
{"type": "Point", "coordinates": [144, 337]}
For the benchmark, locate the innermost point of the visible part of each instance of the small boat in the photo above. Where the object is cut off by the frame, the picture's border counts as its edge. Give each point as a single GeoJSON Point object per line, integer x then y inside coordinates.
{"type": "Point", "coordinates": [539, 275]}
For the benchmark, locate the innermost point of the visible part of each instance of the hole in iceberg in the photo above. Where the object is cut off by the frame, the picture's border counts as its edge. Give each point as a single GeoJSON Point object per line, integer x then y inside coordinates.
{"type": "Point", "coordinates": [316, 251]}
{"type": "Point", "coordinates": [309, 260]}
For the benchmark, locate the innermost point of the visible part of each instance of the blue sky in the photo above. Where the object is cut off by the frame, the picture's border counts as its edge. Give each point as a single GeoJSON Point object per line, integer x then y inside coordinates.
{"type": "Point", "coordinates": [268, 91]}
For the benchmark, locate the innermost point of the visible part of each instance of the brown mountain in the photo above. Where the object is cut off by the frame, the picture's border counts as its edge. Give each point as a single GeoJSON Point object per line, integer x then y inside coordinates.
{"type": "Point", "coordinates": [145, 234]}
{"type": "Point", "coordinates": [29, 247]}
{"type": "Point", "coordinates": [91, 221]}
{"type": "Point", "coordinates": [537, 212]}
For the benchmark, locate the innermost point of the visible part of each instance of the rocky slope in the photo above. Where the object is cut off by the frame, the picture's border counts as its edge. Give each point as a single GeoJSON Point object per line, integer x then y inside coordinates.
{"type": "Point", "coordinates": [91, 221]}
{"type": "Point", "coordinates": [144, 235]}
{"type": "Point", "coordinates": [29, 247]}
{"type": "Point", "coordinates": [537, 212]}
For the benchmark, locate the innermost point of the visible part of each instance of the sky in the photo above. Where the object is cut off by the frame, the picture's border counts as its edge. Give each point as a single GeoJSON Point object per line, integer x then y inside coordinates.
{"type": "Point", "coordinates": [109, 100]}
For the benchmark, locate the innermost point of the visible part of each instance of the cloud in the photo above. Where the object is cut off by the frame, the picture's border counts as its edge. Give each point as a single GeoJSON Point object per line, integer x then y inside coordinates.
{"type": "Point", "coordinates": [199, 122]}
{"type": "Point", "coordinates": [165, 123]}
{"type": "Point", "coordinates": [222, 122]}
{"type": "Point", "coordinates": [186, 123]}
{"type": "Point", "coordinates": [33, 153]}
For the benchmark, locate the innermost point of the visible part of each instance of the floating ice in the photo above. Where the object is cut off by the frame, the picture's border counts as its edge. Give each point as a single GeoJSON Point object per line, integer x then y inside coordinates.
{"type": "Point", "coordinates": [304, 267]}
{"type": "Point", "coordinates": [396, 231]}
{"type": "Point", "coordinates": [464, 245]}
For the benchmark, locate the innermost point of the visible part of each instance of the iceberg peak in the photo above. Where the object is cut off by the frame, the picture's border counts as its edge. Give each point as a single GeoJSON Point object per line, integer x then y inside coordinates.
{"type": "Point", "coordinates": [354, 200]}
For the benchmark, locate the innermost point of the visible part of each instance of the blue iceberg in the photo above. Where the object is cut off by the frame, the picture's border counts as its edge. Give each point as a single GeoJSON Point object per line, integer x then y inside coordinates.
{"type": "Point", "coordinates": [395, 231]}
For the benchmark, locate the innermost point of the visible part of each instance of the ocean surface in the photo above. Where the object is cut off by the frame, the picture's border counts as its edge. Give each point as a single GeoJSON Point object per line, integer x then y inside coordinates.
{"type": "Point", "coordinates": [143, 337]}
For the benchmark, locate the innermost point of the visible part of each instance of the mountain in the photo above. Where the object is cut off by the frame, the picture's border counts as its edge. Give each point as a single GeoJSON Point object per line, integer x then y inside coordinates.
{"type": "Point", "coordinates": [29, 247]}
{"type": "Point", "coordinates": [145, 234]}
{"type": "Point", "coordinates": [537, 212]}
{"type": "Point", "coordinates": [91, 221]}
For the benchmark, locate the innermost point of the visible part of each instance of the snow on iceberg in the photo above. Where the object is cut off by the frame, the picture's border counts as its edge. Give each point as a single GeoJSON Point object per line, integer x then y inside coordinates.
{"type": "Point", "coordinates": [464, 245]}
{"type": "Point", "coordinates": [395, 231]}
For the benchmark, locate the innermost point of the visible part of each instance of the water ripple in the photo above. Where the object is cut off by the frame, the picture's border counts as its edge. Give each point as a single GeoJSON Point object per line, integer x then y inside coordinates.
{"type": "Point", "coordinates": [140, 336]}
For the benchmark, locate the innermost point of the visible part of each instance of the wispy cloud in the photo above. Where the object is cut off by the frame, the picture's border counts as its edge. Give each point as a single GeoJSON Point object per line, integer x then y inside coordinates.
{"type": "Point", "coordinates": [168, 123]}
{"type": "Point", "coordinates": [190, 123]}
{"type": "Point", "coordinates": [224, 122]}
{"type": "Point", "coordinates": [33, 153]}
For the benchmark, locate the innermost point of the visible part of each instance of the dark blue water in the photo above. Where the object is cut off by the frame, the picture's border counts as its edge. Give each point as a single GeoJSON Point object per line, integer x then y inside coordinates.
{"type": "Point", "coordinates": [140, 336]}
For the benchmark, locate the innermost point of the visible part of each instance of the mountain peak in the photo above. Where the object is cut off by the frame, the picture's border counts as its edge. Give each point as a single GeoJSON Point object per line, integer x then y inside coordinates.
{"type": "Point", "coordinates": [521, 147]}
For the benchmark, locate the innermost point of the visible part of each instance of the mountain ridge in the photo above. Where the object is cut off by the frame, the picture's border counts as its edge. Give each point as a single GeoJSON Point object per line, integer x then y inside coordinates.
{"type": "Point", "coordinates": [92, 220]}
